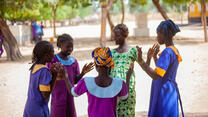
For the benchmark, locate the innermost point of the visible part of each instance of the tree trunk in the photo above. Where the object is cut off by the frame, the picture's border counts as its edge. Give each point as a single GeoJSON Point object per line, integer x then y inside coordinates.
{"type": "Point", "coordinates": [9, 42]}
{"type": "Point", "coordinates": [204, 18]}
{"type": "Point", "coordinates": [181, 9]}
{"type": "Point", "coordinates": [111, 25]}
{"type": "Point", "coordinates": [110, 4]}
{"type": "Point", "coordinates": [103, 24]}
{"type": "Point", "coordinates": [45, 23]}
{"type": "Point", "coordinates": [123, 11]}
{"type": "Point", "coordinates": [160, 9]}
{"type": "Point", "coordinates": [54, 20]}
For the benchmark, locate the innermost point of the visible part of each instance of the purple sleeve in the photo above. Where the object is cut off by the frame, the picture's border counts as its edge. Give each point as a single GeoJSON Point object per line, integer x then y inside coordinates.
{"type": "Point", "coordinates": [45, 77]}
{"type": "Point", "coordinates": [79, 89]}
{"type": "Point", "coordinates": [123, 95]}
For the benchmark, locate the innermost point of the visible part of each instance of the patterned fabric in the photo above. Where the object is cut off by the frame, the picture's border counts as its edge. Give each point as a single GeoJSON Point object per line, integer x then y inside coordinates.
{"type": "Point", "coordinates": [122, 63]}
{"type": "Point", "coordinates": [168, 28]}
{"type": "Point", "coordinates": [103, 57]}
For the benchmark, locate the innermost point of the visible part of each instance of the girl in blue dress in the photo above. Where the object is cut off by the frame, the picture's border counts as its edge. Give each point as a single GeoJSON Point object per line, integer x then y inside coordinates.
{"type": "Point", "coordinates": [164, 91]}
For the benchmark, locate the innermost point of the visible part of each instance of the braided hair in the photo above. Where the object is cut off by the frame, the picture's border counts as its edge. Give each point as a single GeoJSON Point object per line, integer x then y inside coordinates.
{"type": "Point", "coordinates": [63, 38]}
{"type": "Point", "coordinates": [123, 28]}
{"type": "Point", "coordinates": [40, 50]}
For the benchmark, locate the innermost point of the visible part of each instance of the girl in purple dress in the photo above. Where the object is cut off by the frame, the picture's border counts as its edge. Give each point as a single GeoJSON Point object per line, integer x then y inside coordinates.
{"type": "Point", "coordinates": [41, 81]}
{"type": "Point", "coordinates": [62, 103]}
{"type": "Point", "coordinates": [102, 90]}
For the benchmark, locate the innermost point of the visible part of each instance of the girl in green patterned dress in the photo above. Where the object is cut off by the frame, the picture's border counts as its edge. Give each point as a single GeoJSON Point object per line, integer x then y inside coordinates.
{"type": "Point", "coordinates": [123, 56]}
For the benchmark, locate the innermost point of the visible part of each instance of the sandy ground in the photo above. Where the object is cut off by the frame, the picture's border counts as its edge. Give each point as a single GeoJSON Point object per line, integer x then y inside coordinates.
{"type": "Point", "coordinates": [192, 74]}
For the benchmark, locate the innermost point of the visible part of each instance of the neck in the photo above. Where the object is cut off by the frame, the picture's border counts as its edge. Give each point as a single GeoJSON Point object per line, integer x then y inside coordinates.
{"type": "Point", "coordinates": [103, 74]}
{"type": "Point", "coordinates": [41, 62]}
{"type": "Point", "coordinates": [122, 45]}
{"type": "Point", "coordinates": [63, 55]}
{"type": "Point", "coordinates": [169, 44]}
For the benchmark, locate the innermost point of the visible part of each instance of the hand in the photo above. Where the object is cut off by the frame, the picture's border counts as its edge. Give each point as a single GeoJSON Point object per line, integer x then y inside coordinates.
{"type": "Point", "coordinates": [87, 68]}
{"type": "Point", "coordinates": [139, 50]}
{"type": "Point", "coordinates": [156, 49]}
{"type": "Point", "coordinates": [62, 74]}
{"type": "Point", "coordinates": [152, 52]}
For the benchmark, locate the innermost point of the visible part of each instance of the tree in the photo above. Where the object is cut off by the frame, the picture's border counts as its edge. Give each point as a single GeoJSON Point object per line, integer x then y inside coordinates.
{"type": "Point", "coordinates": [204, 19]}
{"type": "Point", "coordinates": [160, 9]}
{"type": "Point", "coordinates": [9, 10]}
{"type": "Point", "coordinates": [55, 4]}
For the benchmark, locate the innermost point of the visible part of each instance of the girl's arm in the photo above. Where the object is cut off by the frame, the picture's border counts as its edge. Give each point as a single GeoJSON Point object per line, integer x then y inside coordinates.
{"type": "Point", "coordinates": [155, 59]}
{"type": "Point", "coordinates": [145, 66]}
{"type": "Point", "coordinates": [46, 94]}
{"type": "Point", "coordinates": [128, 75]}
{"type": "Point", "coordinates": [87, 68]}
{"type": "Point", "coordinates": [67, 82]}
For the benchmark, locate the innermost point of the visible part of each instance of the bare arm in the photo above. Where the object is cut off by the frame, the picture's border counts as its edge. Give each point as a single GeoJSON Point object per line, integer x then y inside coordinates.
{"type": "Point", "coordinates": [87, 68]}
{"type": "Point", "coordinates": [155, 59]}
{"type": "Point", "coordinates": [145, 66]}
{"type": "Point", "coordinates": [128, 75]}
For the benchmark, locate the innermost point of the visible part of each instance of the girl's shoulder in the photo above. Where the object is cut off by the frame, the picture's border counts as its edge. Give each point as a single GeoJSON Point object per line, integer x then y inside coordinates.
{"type": "Point", "coordinates": [39, 67]}
{"type": "Point", "coordinates": [103, 92]}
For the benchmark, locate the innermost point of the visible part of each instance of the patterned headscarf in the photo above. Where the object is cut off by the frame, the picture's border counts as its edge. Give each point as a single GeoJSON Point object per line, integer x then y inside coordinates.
{"type": "Point", "coordinates": [168, 28]}
{"type": "Point", "coordinates": [103, 57]}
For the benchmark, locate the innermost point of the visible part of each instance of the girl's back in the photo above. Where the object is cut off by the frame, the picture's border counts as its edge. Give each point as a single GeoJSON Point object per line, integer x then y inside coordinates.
{"type": "Point", "coordinates": [102, 101]}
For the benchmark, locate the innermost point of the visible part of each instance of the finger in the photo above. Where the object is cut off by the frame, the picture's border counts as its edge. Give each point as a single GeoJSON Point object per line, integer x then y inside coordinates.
{"type": "Point", "coordinates": [85, 65]}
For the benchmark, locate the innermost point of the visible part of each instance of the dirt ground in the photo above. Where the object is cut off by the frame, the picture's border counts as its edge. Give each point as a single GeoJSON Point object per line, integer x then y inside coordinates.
{"type": "Point", "coordinates": [192, 78]}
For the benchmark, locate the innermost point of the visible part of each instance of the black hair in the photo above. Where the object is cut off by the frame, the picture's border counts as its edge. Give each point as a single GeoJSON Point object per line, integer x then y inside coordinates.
{"type": "Point", "coordinates": [123, 28]}
{"type": "Point", "coordinates": [63, 38]}
{"type": "Point", "coordinates": [40, 50]}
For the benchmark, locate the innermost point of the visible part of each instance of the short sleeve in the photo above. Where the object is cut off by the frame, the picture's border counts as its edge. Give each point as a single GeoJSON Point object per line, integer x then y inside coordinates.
{"type": "Point", "coordinates": [134, 54]}
{"type": "Point", "coordinates": [44, 80]}
{"type": "Point", "coordinates": [163, 63]}
{"type": "Point", "coordinates": [123, 94]}
{"type": "Point", "coordinates": [79, 89]}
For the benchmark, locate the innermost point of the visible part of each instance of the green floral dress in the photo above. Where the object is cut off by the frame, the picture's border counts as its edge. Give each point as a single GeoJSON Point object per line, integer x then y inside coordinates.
{"type": "Point", "coordinates": [122, 63]}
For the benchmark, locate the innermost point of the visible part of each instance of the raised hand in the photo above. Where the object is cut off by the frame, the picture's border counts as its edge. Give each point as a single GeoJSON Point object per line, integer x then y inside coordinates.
{"type": "Point", "coordinates": [87, 68]}
{"type": "Point", "coordinates": [156, 49]}
{"type": "Point", "coordinates": [152, 52]}
{"type": "Point", "coordinates": [139, 50]}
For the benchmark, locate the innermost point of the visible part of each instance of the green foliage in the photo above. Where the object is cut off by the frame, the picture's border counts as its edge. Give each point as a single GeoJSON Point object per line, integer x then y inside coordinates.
{"type": "Point", "coordinates": [42, 9]}
{"type": "Point", "coordinates": [85, 11]}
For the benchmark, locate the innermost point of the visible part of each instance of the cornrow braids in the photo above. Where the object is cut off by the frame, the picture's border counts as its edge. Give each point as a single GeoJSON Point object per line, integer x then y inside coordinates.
{"type": "Point", "coordinates": [63, 38]}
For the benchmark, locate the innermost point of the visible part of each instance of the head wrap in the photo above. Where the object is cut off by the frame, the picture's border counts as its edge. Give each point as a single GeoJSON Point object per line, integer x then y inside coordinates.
{"type": "Point", "coordinates": [103, 57]}
{"type": "Point", "coordinates": [168, 28]}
